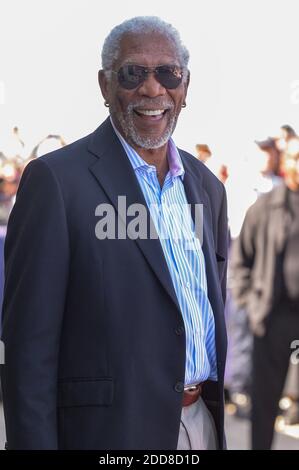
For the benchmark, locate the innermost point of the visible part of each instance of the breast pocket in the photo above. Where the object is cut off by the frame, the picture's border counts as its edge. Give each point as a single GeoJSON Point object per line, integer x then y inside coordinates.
{"type": "Point", "coordinates": [76, 392]}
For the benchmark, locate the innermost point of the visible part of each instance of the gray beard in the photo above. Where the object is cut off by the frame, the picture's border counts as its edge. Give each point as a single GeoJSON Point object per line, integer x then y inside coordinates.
{"type": "Point", "coordinates": [126, 121]}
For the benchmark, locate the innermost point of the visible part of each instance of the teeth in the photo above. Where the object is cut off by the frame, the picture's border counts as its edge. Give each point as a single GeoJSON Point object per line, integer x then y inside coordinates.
{"type": "Point", "coordinates": [151, 112]}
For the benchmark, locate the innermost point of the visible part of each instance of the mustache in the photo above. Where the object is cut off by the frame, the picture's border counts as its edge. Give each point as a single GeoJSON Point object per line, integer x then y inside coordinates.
{"type": "Point", "coordinates": [157, 103]}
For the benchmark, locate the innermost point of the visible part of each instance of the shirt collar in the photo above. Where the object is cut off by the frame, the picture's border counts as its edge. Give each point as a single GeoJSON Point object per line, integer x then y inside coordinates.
{"type": "Point", "coordinates": [175, 163]}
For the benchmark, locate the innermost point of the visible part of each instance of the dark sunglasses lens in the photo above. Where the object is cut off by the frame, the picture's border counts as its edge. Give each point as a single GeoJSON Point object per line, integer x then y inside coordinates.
{"type": "Point", "coordinates": [169, 77]}
{"type": "Point", "coordinates": [131, 76]}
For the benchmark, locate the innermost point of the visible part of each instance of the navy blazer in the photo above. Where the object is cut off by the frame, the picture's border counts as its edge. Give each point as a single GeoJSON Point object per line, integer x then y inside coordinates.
{"type": "Point", "coordinates": [94, 337]}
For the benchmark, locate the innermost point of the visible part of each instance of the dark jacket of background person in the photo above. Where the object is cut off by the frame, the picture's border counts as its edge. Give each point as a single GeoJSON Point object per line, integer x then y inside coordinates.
{"type": "Point", "coordinates": [94, 337]}
{"type": "Point", "coordinates": [256, 257]}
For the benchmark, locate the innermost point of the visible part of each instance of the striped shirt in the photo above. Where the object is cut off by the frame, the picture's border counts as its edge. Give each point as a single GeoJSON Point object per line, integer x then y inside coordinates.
{"type": "Point", "coordinates": [172, 218]}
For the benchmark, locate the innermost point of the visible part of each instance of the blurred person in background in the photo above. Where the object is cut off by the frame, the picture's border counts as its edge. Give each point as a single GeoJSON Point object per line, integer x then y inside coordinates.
{"type": "Point", "coordinates": [223, 173]}
{"type": "Point", "coordinates": [287, 133]}
{"type": "Point", "coordinates": [204, 155]}
{"type": "Point", "coordinates": [203, 152]}
{"type": "Point", "coordinates": [265, 263]}
{"type": "Point", "coordinates": [290, 402]}
{"type": "Point", "coordinates": [264, 175]}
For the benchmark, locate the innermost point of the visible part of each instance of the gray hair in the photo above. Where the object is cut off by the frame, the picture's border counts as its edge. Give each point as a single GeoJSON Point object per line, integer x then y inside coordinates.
{"type": "Point", "coordinates": [141, 24]}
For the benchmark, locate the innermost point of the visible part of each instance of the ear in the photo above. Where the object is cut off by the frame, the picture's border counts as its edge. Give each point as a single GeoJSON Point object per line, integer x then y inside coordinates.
{"type": "Point", "coordinates": [187, 81]}
{"type": "Point", "coordinates": [186, 85]}
{"type": "Point", "coordinates": [103, 82]}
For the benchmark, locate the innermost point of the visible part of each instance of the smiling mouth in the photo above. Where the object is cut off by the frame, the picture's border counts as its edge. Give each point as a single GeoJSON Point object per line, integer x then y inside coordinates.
{"type": "Point", "coordinates": [152, 114]}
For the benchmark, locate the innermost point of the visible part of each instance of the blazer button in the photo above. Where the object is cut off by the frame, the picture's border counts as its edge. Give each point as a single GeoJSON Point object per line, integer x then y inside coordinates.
{"type": "Point", "coordinates": [179, 387]}
{"type": "Point", "coordinates": [180, 330]}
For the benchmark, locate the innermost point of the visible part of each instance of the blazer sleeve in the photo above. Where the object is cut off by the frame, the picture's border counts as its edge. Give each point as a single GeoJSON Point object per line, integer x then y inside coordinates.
{"type": "Point", "coordinates": [36, 275]}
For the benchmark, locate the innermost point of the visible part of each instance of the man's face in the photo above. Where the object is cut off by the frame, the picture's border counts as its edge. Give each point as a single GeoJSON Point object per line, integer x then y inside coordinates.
{"type": "Point", "coordinates": [132, 110]}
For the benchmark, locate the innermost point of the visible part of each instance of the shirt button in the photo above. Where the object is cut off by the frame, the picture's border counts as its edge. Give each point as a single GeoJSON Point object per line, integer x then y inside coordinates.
{"type": "Point", "coordinates": [180, 330]}
{"type": "Point", "coordinates": [188, 285]}
{"type": "Point", "coordinates": [179, 387]}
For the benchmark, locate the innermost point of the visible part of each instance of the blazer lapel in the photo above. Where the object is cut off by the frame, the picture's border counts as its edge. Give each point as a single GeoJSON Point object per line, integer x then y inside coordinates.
{"type": "Point", "coordinates": [116, 176]}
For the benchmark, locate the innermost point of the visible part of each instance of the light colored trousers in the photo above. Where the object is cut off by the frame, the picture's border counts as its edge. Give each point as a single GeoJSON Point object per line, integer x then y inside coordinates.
{"type": "Point", "coordinates": [197, 428]}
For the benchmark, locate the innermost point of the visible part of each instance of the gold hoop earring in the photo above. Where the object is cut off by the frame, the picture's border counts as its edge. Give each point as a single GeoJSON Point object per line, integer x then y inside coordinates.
{"type": "Point", "coordinates": [106, 104]}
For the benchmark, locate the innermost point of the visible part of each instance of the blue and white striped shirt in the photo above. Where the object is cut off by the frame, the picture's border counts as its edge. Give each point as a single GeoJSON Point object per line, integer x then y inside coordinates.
{"type": "Point", "coordinates": [171, 216]}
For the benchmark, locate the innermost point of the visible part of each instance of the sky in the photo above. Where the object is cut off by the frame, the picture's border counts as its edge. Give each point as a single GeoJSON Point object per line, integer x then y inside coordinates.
{"type": "Point", "coordinates": [244, 68]}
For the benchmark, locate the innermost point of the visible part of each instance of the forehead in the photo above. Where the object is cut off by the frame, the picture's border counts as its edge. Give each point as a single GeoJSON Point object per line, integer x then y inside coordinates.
{"type": "Point", "coordinates": [147, 49]}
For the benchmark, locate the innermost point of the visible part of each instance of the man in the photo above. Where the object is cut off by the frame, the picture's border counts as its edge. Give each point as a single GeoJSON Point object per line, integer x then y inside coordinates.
{"type": "Point", "coordinates": [103, 333]}
{"type": "Point", "coordinates": [265, 162]}
{"type": "Point", "coordinates": [265, 266]}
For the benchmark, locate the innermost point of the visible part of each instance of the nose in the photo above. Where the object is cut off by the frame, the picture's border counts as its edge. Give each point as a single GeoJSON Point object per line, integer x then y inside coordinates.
{"type": "Point", "coordinates": [151, 87]}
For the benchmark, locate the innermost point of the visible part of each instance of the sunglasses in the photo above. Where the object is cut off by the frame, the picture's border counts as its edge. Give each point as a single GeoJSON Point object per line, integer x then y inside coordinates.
{"type": "Point", "coordinates": [132, 76]}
